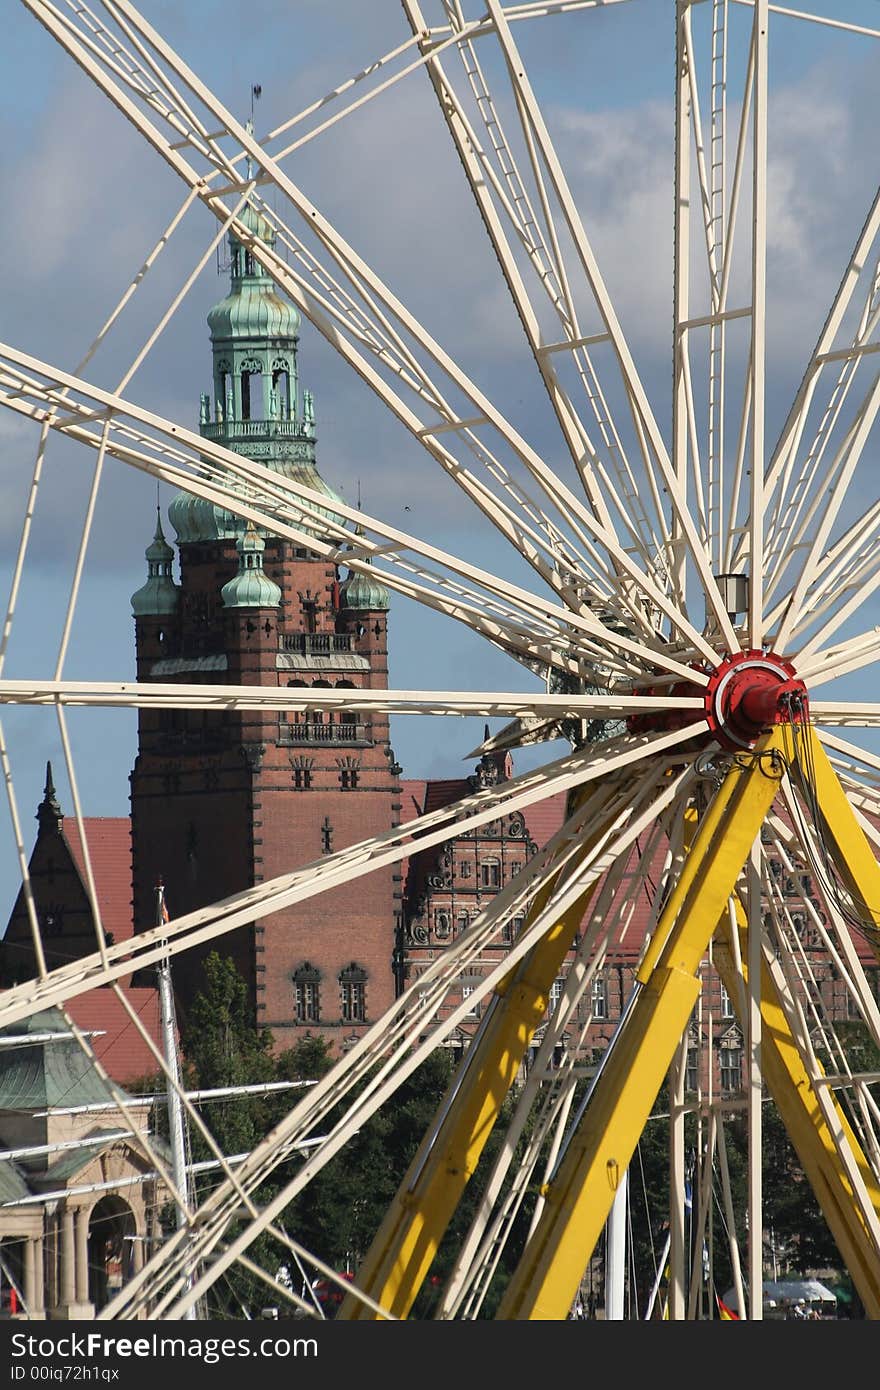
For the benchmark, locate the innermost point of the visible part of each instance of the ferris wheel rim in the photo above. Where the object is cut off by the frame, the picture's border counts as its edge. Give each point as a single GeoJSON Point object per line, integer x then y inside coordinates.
{"type": "Point", "coordinates": [708, 656]}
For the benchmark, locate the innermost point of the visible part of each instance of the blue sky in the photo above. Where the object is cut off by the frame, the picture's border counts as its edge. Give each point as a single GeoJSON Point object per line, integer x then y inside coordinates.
{"type": "Point", "coordinates": [85, 199]}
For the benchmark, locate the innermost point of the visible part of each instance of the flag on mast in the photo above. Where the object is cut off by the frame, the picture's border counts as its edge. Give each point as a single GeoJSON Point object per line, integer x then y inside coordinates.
{"type": "Point", "coordinates": [725, 1314]}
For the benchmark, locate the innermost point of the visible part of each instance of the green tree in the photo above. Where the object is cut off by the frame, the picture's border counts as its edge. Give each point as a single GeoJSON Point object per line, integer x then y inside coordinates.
{"type": "Point", "coordinates": [222, 1047]}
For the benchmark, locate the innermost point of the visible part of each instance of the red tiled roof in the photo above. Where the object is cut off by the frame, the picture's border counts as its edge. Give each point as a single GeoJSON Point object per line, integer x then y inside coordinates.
{"type": "Point", "coordinates": [109, 842]}
{"type": "Point", "coordinates": [443, 791]}
{"type": "Point", "coordinates": [543, 818]}
{"type": "Point", "coordinates": [412, 799]}
{"type": "Point", "coordinates": [121, 1049]}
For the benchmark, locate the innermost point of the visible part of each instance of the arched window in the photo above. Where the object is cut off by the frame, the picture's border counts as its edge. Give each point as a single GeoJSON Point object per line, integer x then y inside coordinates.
{"type": "Point", "coordinates": [223, 406]}
{"type": "Point", "coordinates": [302, 773]}
{"type": "Point", "coordinates": [307, 994]}
{"type": "Point", "coordinates": [281, 388]}
{"type": "Point", "coordinates": [252, 389]}
{"type": "Point", "coordinates": [353, 994]}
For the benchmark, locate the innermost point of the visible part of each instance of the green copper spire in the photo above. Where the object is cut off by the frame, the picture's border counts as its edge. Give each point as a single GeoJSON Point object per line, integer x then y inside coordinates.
{"type": "Point", "coordinates": [251, 587]}
{"type": "Point", "coordinates": [258, 409]}
{"type": "Point", "coordinates": [160, 594]}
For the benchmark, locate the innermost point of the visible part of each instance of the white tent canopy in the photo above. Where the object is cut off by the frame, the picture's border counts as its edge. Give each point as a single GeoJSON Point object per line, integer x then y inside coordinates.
{"type": "Point", "coordinates": [779, 1292]}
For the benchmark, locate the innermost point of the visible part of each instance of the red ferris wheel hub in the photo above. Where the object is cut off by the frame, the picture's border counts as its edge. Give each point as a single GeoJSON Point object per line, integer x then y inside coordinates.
{"type": "Point", "coordinates": [749, 693]}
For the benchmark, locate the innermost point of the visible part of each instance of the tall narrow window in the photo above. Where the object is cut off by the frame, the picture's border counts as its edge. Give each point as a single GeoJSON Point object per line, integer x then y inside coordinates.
{"type": "Point", "coordinates": [470, 983]}
{"type": "Point", "coordinates": [252, 390]}
{"type": "Point", "coordinates": [730, 1064]}
{"type": "Point", "coordinates": [353, 994]}
{"type": "Point", "coordinates": [347, 725]}
{"type": "Point", "coordinates": [280, 398]}
{"type": "Point", "coordinates": [490, 873]}
{"type": "Point", "coordinates": [307, 994]}
{"type": "Point", "coordinates": [599, 997]}
{"type": "Point", "coordinates": [692, 1074]}
{"type": "Point", "coordinates": [726, 1004]}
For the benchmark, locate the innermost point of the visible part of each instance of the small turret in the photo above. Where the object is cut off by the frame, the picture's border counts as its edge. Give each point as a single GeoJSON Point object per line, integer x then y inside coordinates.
{"type": "Point", "coordinates": [160, 595]}
{"type": "Point", "coordinates": [362, 592]}
{"type": "Point", "coordinates": [251, 587]}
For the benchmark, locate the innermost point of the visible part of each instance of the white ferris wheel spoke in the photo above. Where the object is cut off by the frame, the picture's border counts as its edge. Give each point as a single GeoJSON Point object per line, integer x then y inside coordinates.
{"type": "Point", "coordinates": [836, 482]}
{"type": "Point", "coordinates": [501, 192]}
{"type": "Point", "coordinates": [618, 558]}
{"type": "Point", "coordinates": [124, 425]}
{"type": "Point", "coordinates": [852, 750]}
{"type": "Point", "coordinates": [489, 705]}
{"type": "Point", "coordinates": [160, 1275]}
{"type": "Point", "coordinates": [847, 656]}
{"type": "Point", "coordinates": [796, 500]}
{"type": "Point", "coordinates": [334, 324]}
{"type": "Point", "coordinates": [855, 713]}
{"type": "Point", "coordinates": [846, 565]}
{"type": "Point", "coordinates": [205, 924]}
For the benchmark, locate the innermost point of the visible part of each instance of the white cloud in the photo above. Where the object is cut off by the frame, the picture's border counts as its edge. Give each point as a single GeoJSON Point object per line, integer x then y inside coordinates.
{"type": "Point", "coordinates": [87, 199]}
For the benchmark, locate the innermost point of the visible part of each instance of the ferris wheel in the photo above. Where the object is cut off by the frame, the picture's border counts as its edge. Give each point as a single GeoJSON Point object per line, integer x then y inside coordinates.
{"type": "Point", "coordinates": [681, 581]}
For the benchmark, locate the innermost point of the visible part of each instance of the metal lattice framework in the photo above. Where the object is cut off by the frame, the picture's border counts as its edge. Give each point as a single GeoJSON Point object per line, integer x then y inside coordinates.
{"type": "Point", "coordinates": [696, 582]}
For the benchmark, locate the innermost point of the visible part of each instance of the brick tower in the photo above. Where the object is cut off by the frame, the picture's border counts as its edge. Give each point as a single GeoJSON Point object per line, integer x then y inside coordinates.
{"type": "Point", "coordinates": [221, 802]}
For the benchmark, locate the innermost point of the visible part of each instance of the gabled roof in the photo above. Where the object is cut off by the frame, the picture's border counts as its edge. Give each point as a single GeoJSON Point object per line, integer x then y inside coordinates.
{"type": "Point", "coordinates": [121, 1050]}
{"type": "Point", "coordinates": [73, 1161]}
{"type": "Point", "coordinates": [109, 843]}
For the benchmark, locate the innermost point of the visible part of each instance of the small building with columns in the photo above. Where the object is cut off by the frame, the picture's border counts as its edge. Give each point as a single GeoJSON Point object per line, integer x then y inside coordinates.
{"type": "Point", "coordinates": [79, 1197]}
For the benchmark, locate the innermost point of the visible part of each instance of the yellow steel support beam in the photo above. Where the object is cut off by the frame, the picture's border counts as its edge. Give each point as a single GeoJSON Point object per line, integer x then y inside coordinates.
{"type": "Point", "coordinates": [791, 1087]}
{"type": "Point", "coordinates": [404, 1247]}
{"type": "Point", "coordinates": [849, 845]}
{"type": "Point", "coordinates": [579, 1197]}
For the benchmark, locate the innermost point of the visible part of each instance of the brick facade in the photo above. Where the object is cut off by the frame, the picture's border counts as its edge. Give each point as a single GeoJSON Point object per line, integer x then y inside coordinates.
{"type": "Point", "coordinates": [223, 802]}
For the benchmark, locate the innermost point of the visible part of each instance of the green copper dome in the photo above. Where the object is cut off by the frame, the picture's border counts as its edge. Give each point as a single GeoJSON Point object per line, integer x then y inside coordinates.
{"type": "Point", "coordinates": [160, 595]}
{"type": "Point", "coordinates": [250, 588]}
{"type": "Point", "coordinates": [364, 592]}
{"type": "Point", "coordinates": [253, 308]}
{"type": "Point", "coordinates": [195, 519]}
